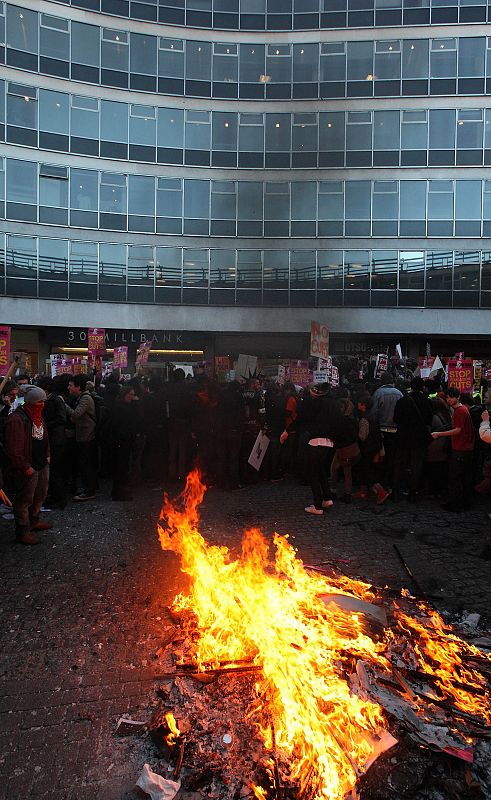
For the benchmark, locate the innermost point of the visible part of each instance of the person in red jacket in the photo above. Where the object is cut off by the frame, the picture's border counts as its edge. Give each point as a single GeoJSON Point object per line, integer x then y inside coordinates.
{"type": "Point", "coordinates": [461, 436]}
{"type": "Point", "coordinates": [27, 446]}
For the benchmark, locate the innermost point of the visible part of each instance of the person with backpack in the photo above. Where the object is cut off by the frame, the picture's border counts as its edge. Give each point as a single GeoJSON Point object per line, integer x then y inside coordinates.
{"type": "Point", "coordinates": [54, 415]}
{"type": "Point", "coordinates": [84, 417]}
{"type": "Point", "coordinates": [27, 447]}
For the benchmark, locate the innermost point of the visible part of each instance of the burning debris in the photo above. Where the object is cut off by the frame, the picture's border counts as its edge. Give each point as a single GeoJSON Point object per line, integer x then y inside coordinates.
{"type": "Point", "coordinates": [290, 682]}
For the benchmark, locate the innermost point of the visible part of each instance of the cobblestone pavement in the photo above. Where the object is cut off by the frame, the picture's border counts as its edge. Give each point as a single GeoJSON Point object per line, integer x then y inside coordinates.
{"type": "Point", "coordinates": [81, 615]}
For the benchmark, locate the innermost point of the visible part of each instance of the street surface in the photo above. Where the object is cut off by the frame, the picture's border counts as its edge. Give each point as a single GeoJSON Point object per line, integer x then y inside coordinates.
{"type": "Point", "coordinates": [81, 616]}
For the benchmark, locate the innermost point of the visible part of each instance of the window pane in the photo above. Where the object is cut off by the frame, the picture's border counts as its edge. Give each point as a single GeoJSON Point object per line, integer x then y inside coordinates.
{"type": "Point", "coordinates": [21, 181]}
{"type": "Point", "coordinates": [84, 262]}
{"type": "Point", "coordinates": [114, 121]}
{"type": "Point", "coordinates": [86, 42]}
{"type": "Point", "coordinates": [83, 189]}
{"type": "Point", "coordinates": [53, 112]}
{"type": "Point", "coordinates": [141, 195]}
{"type": "Point", "coordinates": [53, 259]}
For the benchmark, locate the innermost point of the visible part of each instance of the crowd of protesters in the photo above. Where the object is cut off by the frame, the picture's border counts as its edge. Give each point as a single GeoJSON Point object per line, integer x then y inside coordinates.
{"type": "Point", "coordinates": [397, 437]}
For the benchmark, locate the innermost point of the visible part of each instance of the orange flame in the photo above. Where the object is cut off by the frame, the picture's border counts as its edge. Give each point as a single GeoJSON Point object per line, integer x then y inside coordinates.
{"type": "Point", "coordinates": [269, 612]}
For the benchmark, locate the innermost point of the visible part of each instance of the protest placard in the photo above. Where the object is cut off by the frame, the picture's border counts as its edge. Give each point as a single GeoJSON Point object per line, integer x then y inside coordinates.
{"type": "Point", "coordinates": [120, 359]}
{"type": "Point", "coordinates": [334, 376]}
{"type": "Point", "coordinates": [461, 374]}
{"type": "Point", "coordinates": [477, 372]}
{"type": "Point", "coordinates": [258, 452]}
{"type": "Point", "coordinates": [381, 365]}
{"type": "Point", "coordinates": [319, 339]}
{"type": "Point", "coordinates": [4, 346]}
{"type": "Point", "coordinates": [96, 341]}
{"type": "Point", "coordinates": [321, 376]}
{"type": "Point", "coordinates": [143, 353]}
{"type": "Point", "coordinates": [245, 367]}
{"type": "Point", "coordinates": [298, 373]}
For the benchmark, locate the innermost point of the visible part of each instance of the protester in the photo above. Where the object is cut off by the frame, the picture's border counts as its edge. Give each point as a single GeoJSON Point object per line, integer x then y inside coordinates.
{"type": "Point", "coordinates": [371, 450]}
{"type": "Point", "coordinates": [462, 442]}
{"type": "Point", "coordinates": [412, 415]}
{"type": "Point", "coordinates": [438, 451]}
{"type": "Point", "coordinates": [347, 452]}
{"type": "Point", "coordinates": [384, 403]}
{"type": "Point", "coordinates": [27, 447]}
{"type": "Point", "coordinates": [231, 418]}
{"type": "Point", "coordinates": [54, 414]}
{"type": "Point", "coordinates": [83, 415]}
{"type": "Point", "coordinates": [123, 432]}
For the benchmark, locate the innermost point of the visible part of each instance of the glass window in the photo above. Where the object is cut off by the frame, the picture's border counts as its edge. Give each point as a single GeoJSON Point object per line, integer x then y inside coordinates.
{"type": "Point", "coordinates": [331, 131]}
{"type": "Point", "coordinates": [141, 265]}
{"type": "Point", "coordinates": [356, 269]}
{"type": "Point", "coordinates": [469, 128]}
{"type": "Point", "coordinates": [143, 54]}
{"type": "Point", "coordinates": [252, 63]}
{"type": "Point", "coordinates": [21, 181]}
{"type": "Point", "coordinates": [304, 200]}
{"type": "Point", "coordinates": [83, 189]}
{"type": "Point", "coordinates": [360, 61]}
{"type": "Point", "coordinates": [277, 201]}
{"type": "Point", "coordinates": [22, 106]}
{"type": "Point", "coordinates": [112, 263]}
{"type": "Point", "coordinates": [413, 200]}
{"type": "Point", "coordinates": [114, 50]}
{"type": "Point", "coordinates": [53, 186]}
{"type": "Point", "coordinates": [171, 58]}
{"type": "Point", "coordinates": [195, 267]}
{"type": "Point", "coordinates": [358, 199]}
{"type": "Point", "coordinates": [442, 129]}
{"type": "Point", "coordinates": [198, 130]}
{"type": "Point", "coordinates": [331, 200]}
{"type": "Point", "coordinates": [84, 262]}
{"type": "Point", "coordinates": [251, 133]}
{"type": "Point", "coordinates": [333, 61]}
{"type": "Point", "coordinates": [113, 193]}
{"type": "Point", "coordinates": [169, 197]}
{"type": "Point", "coordinates": [278, 133]}
{"type": "Point", "coordinates": [222, 268]}
{"type": "Point", "coordinates": [468, 200]}
{"type": "Point", "coordinates": [330, 269]}
{"type": "Point", "coordinates": [385, 200]}
{"type": "Point", "coordinates": [223, 200]}
{"type": "Point", "coordinates": [224, 131]}
{"type": "Point", "coordinates": [386, 130]}
{"type": "Point", "coordinates": [471, 57]}
{"type": "Point", "coordinates": [225, 63]}
{"type": "Point", "coordinates": [249, 269]}
{"type": "Point", "coordinates": [141, 195]}
{"type": "Point", "coordinates": [467, 269]}
{"type": "Point", "coordinates": [22, 29]}
{"type": "Point", "coordinates": [440, 200]}
{"type": "Point", "coordinates": [53, 112]}
{"type": "Point", "coordinates": [196, 199]}
{"type": "Point", "coordinates": [143, 125]}
{"type": "Point", "coordinates": [387, 60]}
{"type": "Point", "coordinates": [306, 63]}
{"type": "Point", "coordinates": [359, 130]}
{"type": "Point", "coordinates": [114, 121]}
{"type": "Point", "coordinates": [439, 269]}
{"type": "Point", "coordinates": [415, 54]}
{"type": "Point", "coordinates": [250, 201]}
{"type": "Point", "coordinates": [443, 58]}
{"type": "Point", "coordinates": [85, 117]}
{"type": "Point", "coordinates": [414, 130]}
{"type": "Point", "coordinates": [54, 37]}
{"type": "Point", "coordinates": [304, 133]}
{"type": "Point", "coordinates": [411, 269]}
{"type": "Point", "coordinates": [170, 128]}
{"type": "Point", "coordinates": [198, 61]}
{"type": "Point", "coordinates": [302, 269]}
{"type": "Point", "coordinates": [21, 256]}
{"type": "Point", "coordinates": [86, 44]}
{"type": "Point", "coordinates": [384, 269]}
{"type": "Point", "coordinates": [279, 63]}
{"type": "Point", "coordinates": [275, 269]}
{"type": "Point", "coordinates": [168, 267]}
{"type": "Point", "coordinates": [53, 259]}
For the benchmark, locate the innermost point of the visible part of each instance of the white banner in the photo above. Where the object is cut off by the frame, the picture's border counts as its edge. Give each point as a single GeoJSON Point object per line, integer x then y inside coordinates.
{"type": "Point", "coordinates": [258, 452]}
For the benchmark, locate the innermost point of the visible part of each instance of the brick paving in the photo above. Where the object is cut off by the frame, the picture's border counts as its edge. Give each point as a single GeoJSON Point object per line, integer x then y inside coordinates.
{"type": "Point", "coordinates": [81, 615]}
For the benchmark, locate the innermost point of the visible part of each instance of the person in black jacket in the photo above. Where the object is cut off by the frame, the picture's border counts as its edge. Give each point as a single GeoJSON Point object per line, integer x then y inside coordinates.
{"type": "Point", "coordinates": [55, 417]}
{"type": "Point", "coordinates": [320, 416]}
{"type": "Point", "coordinates": [413, 414]}
{"type": "Point", "coordinates": [124, 430]}
{"type": "Point", "coordinates": [230, 420]}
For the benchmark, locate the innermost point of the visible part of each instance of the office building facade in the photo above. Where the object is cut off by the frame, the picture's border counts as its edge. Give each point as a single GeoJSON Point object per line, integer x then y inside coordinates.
{"type": "Point", "coordinates": [236, 168]}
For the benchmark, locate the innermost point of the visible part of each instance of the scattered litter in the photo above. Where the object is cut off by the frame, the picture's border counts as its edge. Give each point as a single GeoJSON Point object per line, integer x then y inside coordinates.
{"type": "Point", "coordinates": [156, 786]}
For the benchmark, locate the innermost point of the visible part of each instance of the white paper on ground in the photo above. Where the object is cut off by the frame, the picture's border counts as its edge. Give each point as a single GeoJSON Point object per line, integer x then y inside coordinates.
{"type": "Point", "coordinates": [156, 786]}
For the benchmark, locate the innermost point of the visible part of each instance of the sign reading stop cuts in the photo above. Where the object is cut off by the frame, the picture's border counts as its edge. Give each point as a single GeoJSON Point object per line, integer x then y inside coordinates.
{"type": "Point", "coordinates": [461, 374]}
{"type": "Point", "coordinates": [319, 340]}
{"type": "Point", "coordinates": [4, 346]}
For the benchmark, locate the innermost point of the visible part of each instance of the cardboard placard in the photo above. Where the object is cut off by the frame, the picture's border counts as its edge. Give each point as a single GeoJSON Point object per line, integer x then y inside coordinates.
{"type": "Point", "coordinates": [298, 373]}
{"type": "Point", "coordinates": [246, 366]}
{"type": "Point", "coordinates": [381, 365]}
{"type": "Point", "coordinates": [461, 374]}
{"type": "Point", "coordinates": [319, 339]}
{"type": "Point", "coordinates": [120, 359]}
{"type": "Point", "coordinates": [143, 353]}
{"type": "Point", "coordinates": [258, 452]}
{"type": "Point", "coordinates": [96, 341]}
{"type": "Point", "coordinates": [4, 347]}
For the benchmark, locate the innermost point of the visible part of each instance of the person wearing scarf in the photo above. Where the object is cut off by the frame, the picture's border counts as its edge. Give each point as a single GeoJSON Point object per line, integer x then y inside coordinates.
{"type": "Point", "coordinates": [27, 446]}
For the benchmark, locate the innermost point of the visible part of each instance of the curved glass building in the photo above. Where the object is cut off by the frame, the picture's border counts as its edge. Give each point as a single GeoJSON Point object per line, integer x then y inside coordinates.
{"type": "Point", "coordinates": [220, 172]}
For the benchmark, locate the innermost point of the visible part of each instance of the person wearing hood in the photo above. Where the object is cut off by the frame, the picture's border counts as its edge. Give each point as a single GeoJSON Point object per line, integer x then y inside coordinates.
{"type": "Point", "coordinates": [383, 404]}
{"type": "Point", "coordinates": [27, 446]}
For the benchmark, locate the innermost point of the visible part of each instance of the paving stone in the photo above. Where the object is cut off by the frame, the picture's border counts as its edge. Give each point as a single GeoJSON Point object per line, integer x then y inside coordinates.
{"type": "Point", "coordinates": [82, 615]}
